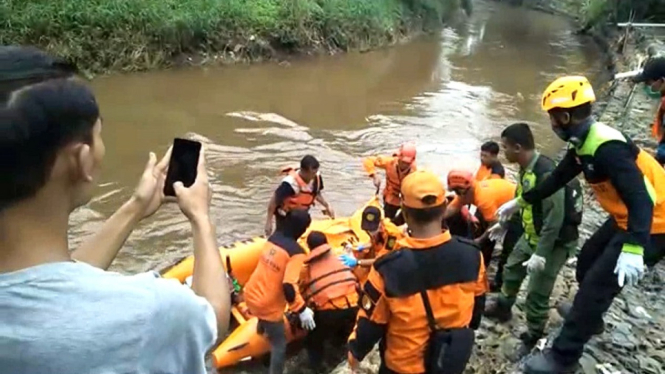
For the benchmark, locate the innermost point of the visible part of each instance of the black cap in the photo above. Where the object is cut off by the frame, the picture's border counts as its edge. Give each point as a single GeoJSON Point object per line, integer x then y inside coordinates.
{"type": "Point", "coordinates": [653, 69]}
{"type": "Point", "coordinates": [371, 219]}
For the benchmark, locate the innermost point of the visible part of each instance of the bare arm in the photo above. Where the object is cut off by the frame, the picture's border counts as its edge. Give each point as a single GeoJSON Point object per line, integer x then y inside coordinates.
{"type": "Point", "coordinates": [486, 234]}
{"type": "Point", "coordinates": [209, 279]}
{"type": "Point", "coordinates": [272, 205]}
{"type": "Point", "coordinates": [101, 249]}
{"type": "Point", "coordinates": [322, 200]}
{"type": "Point", "coordinates": [453, 208]}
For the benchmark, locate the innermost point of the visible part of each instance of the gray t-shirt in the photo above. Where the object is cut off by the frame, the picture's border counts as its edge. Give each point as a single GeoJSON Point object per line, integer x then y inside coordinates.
{"type": "Point", "coordinates": [72, 318]}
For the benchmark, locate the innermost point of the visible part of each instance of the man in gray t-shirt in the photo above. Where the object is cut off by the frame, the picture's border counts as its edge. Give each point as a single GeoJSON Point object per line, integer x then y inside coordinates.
{"type": "Point", "coordinates": [61, 312]}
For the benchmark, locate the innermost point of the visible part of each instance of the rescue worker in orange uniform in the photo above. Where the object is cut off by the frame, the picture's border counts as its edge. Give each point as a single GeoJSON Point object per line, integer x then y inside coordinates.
{"type": "Point", "coordinates": [383, 239]}
{"type": "Point", "coordinates": [490, 166]}
{"type": "Point", "coordinates": [629, 184]}
{"type": "Point", "coordinates": [653, 75]}
{"type": "Point", "coordinates": [397, 167]}
{"type": "Point", "coordinates": [424, 300]}
{"type": "Point", "coordinates": [487, 196]}
{"type": "Point", "coordinates": [300, 189]}
{"type": "Point", "coordinates": [330, 289]}
{"type": "Point", "coordinates": [274, 283]}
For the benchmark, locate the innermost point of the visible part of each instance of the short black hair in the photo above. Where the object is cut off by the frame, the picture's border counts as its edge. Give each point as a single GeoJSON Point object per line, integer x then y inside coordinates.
{"type": "Point", "coordinates": [315, 239]}
{"type": "Point", "coordinates": [309, 162]}
{"type": "Point", "coordinates": [426, 215]}
{"type": "Point", "coordinates": [38, 121]}
{"type": "Point", "coordinates": [519, 133]}
{"type": "Point", "coordinates": [21, 66]}
{"type": "Point", "coordinates": [491, 147]}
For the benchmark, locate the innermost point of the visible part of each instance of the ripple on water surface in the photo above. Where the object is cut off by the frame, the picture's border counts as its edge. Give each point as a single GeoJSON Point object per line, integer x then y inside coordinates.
{"type": "Point", "coordinates": [448, 93]}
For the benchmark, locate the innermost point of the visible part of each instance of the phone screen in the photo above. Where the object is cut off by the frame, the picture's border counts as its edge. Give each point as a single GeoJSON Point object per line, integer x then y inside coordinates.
{"type": "Point", "coordinates": [183, 164]}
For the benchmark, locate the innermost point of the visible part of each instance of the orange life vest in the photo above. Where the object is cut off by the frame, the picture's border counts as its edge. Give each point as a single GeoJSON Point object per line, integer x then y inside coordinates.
{"type": "Point", "coordinates": [605, 193]}
{"type": "Point", "coordinates": [305, 196]}
{"type": "Point", "coordinates": [394, 177]}
{"type": "Point", "coordinates": [608, 197]}
{"type": "Point", "coordinates": [328, 281]}
{"type": "Point", "coordinates": [658, 122]}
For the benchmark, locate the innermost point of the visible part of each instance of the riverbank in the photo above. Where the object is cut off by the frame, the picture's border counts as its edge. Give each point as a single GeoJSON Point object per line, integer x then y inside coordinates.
{"type": "Point", "coordinates": [634, 337]}
{"type": "Point", "coordinates": [131, 35]}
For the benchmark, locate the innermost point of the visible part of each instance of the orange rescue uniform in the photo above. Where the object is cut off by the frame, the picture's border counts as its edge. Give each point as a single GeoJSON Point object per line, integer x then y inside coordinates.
{"type": "Point", "coordinates": [387, 240]}
{"type": "Point", "coordinates": [657, 126]}
{"type": "Point", "coordinates": [489, 195]}
{"type": "Point", "coordinates": [489, 172]}
{"type": "Point", "coordinates": [394, 177]}
{"type": "Point", "coordinates": [392, 308]}
{"type": "Point", "coordinates": [275, 280]}
{"type": "Point", "coordinates": [305, 192]}
{"type": "Point", "coordinates": [326, 282]}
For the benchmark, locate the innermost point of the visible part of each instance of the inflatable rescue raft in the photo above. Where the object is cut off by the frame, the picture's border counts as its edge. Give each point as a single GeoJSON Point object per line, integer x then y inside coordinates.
{"type": "Point", "coordinates": [240, 259]}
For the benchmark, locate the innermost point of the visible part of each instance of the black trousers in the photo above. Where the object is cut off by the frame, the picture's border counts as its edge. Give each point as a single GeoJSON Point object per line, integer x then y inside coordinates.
{"type": "Point", "coordinates": [391, 212]}
{"type": "Point", "coordinates": [334, 325]}
{"type": "Point", "coordinates": [513, 234]}
{"type": "Point", "coordinates": [276, 335]}
{"type": "Point", "coordinates": [598, 287]}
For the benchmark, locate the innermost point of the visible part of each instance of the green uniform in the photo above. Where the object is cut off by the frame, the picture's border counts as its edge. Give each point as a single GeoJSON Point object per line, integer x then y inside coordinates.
{"type": "Point", "coordinates": [550, 230]}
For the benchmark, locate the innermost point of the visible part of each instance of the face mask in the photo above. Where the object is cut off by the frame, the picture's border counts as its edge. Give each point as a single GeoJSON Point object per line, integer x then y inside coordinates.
{"type": "Point", "coordinates": [561, 133]}
{"type": "Point", "coordinates": [651, 93]}
{"type": "Point", "coordinates": [573, 134]}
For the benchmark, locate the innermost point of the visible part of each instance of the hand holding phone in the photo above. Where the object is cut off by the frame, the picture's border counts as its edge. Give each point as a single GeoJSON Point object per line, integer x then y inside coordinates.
{"type": "Point", "coordinates": [183, 164]}
{"type": "Point", "coordinates": [192, 189]}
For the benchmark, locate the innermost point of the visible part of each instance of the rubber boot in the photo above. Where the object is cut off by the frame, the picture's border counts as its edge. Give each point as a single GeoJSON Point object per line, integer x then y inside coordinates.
{"type": "Point", "coordinates": [545, 363]}
{"type": "Point", "coordinates": [528, 341]}
{"type": "Point", "coordinates": [499, 310]}
{"type": "Point", "coordinates": [564, 309]}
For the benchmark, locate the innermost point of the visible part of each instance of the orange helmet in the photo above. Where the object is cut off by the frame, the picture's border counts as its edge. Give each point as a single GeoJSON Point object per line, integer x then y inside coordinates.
{"type": "Point", "coordinates": [459, 179]}
{"type": "Point", "coordinates": [407, 152]}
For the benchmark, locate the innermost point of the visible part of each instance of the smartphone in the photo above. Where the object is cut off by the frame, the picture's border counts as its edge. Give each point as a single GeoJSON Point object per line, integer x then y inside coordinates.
{"type": "Point", "coordinates": [183, 164]}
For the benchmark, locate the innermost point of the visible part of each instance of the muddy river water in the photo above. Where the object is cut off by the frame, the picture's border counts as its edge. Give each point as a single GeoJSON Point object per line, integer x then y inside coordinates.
{"type": "Point", "coordinates": [448, 92]}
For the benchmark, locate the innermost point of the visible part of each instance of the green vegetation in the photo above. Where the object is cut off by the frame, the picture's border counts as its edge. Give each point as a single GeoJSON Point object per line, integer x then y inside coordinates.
{"type": "Point", "coordinates": [102, 35]}
{"type": "Point", "coordinates": [597, 13]}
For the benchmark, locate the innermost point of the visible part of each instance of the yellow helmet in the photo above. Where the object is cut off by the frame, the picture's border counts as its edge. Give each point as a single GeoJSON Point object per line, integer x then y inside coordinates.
{"type": "Point", "coordinates": [568, 92]}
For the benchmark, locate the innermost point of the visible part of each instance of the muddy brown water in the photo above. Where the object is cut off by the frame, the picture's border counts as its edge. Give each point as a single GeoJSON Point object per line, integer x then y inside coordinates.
{"type": "Point", "coordinates": [448, 93]}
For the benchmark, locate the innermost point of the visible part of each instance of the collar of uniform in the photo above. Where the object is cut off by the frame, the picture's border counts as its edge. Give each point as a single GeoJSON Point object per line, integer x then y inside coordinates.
{"type": "Point", "coordinates": [424, 243]}
{"type": "Point", "coordinates": [532, 163]}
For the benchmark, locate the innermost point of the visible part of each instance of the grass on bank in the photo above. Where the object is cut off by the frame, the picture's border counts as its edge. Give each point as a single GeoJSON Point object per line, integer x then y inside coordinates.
{"type": "Point", "coordinates": [103, 35]}
{"type": "Point", "coordinates": [600, 12]}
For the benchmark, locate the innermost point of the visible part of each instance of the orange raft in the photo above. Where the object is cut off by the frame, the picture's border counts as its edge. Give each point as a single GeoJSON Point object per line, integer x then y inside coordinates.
{"type": "Point", "coordinates": [240, 259]}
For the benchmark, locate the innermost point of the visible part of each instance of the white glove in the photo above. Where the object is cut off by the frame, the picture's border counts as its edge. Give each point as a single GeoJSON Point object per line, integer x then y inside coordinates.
{"type": "Point", "coordinates": [535, 263]}
{"type": "Point", "coordinates": [307, 319]}
{"type": "Point", "coordinates": [497, 232]}
{"type": "Point", "coordinates": [629, 269]}
{"type": "Point", "coordinates": [506, 210]}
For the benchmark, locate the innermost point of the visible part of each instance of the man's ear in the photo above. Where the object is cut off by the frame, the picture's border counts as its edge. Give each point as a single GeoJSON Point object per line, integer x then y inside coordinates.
{"type": "Point", "coordinates": [85, 162]}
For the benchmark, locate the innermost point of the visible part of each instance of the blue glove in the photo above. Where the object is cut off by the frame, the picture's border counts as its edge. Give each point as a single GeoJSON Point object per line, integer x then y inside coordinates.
{"type": "Point", "coordinates": [362, 247]}
{"type": "Point", "coordinates": [348, 260]}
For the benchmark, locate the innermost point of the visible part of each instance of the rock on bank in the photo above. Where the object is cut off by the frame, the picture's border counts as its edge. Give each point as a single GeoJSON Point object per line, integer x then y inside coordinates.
{"type": "Point", "coordinates": [126, 35]}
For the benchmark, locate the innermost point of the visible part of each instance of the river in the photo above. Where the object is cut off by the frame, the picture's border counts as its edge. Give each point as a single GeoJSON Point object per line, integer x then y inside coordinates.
{"type": "Point", "coordinates": [448, 92]}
